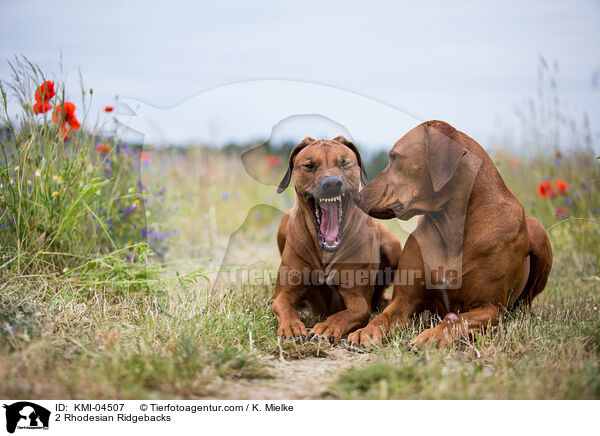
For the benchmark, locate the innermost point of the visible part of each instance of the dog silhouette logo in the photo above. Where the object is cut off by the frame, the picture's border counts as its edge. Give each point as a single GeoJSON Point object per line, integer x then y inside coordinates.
{"type": "Point", "coordinates": [26, 415]}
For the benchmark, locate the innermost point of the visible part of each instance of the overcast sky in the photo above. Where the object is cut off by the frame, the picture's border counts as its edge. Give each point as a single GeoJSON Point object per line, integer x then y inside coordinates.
{"type": "Point", "coordinates": [470, 64]}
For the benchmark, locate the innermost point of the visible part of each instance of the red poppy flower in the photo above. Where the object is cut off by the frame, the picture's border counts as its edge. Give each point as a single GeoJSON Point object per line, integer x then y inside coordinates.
{"type": "Point", "coordinates": [561, 212]}
{"type": "Point", "coordinates": [45, 91]}
{"type": "Point", "coordinates": [41, 107]}
{"type": "Point", "coordinates": [562, 186]}
{"type": "Point", "coordinates": [273, 161]}
{"type": "Point", "coordinates": [108, 108]}
{"type": "Point", "coordinates": [102, 148]}
{"type": "Point", "coordinates": [145, 158]}
{"type": "Point", "coordinates": [546, 190]}
{"type": "Point", "coordinates": [65, 115]}
{"type": "Point", "coordinates": [559, 155]}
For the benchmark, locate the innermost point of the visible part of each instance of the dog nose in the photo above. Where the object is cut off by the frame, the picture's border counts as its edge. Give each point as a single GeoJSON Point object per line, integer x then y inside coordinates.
{"type": "Point", "coordinates": [331, 186]}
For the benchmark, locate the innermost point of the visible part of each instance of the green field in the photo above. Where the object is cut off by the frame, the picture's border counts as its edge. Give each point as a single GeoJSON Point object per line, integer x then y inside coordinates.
{"type": "Point", "coordinates": [108, 280]}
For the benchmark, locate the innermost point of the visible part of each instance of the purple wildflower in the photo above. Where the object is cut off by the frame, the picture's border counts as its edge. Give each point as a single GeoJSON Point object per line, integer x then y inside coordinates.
{"type": "Point", "coordinates": [127, 212]}
{"type": "Point", "coordinates": [121, 146]}
{"type": "Point", "coordinates": [156, 235]}
{"type": "Point", "coordinates": [7, 328]}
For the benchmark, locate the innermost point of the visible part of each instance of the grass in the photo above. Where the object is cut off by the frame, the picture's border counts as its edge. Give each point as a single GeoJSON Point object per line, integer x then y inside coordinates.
{"type": "Point", "coordinates": [89, 343]}
{"type": "Point", "coordinates": [141, 315]}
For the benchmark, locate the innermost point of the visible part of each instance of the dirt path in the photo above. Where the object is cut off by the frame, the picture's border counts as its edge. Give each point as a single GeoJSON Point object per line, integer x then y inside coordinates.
{"type": "Point", "coordinates": [306, 378]}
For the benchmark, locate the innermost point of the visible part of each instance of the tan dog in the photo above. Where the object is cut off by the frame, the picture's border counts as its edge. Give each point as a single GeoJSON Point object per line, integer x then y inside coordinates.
{"type": "Point", "coordinates": [332, 255]}
{"type": "Point", "coordinates": [473, 237]}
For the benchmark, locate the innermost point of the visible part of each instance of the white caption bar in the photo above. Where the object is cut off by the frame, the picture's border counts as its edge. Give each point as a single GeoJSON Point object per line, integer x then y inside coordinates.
{"type": "Point", "coordinates": [24, 417]}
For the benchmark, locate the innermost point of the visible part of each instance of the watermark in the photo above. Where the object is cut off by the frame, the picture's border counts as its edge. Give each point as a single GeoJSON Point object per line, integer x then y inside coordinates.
{"type": "Point", "coordinates": [290, 111]}
{"type": "Point", "coordinates": [344, 278]}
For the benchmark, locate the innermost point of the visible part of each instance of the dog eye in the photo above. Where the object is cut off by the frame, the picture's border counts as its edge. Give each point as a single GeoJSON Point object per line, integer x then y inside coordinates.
{"type": "Point", "coordinates": [348, 164]}
{"type": "Point", "coordinates": [309, 167]}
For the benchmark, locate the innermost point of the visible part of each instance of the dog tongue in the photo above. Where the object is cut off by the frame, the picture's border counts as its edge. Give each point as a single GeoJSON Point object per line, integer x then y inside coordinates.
{"type": "Point", "coordinates": [329, 221]}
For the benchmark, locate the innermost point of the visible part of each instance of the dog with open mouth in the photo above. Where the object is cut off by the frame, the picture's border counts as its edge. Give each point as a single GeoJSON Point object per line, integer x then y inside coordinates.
{"type": "Point", "coordinates": [333, 256]}
{"type": "Point", "coordinates": [475, 251]}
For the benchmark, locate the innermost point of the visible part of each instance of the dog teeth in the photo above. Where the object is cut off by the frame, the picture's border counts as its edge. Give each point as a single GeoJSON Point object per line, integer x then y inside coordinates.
{"type": "Point", "coordinates": [329, 200]}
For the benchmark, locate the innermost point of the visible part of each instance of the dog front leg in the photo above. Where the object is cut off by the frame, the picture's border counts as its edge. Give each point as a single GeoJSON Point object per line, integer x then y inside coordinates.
{"type": "Point", "coordinates": [288, 319]}
{"type": "Point", "coordinates": [355, 315]}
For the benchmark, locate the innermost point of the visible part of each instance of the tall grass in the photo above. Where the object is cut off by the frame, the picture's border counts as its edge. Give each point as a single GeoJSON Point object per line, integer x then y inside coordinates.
{"type": "Point", "coordinates": [65, 204]}
{"type": "Point", "coordinates": [555, 148]}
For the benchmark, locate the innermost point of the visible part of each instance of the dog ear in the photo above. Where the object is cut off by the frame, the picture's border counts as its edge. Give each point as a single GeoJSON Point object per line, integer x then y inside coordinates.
{"type": "Point", "coordinates": [442, 154]}
{"type": "Point", "coordinates": [351, 146]}
{"type": "Point", "coordinates": [288, 174]}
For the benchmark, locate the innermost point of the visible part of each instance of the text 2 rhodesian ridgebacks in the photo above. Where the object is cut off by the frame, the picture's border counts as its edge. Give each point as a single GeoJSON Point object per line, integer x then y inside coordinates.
{"type": "Point", "coordinates": [486, 253]}
{"type": "Point", "coordinates": [331, 251]}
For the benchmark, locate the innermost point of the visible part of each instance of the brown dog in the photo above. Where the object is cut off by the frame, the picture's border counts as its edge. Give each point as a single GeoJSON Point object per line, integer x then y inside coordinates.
{"type": "Point", "coordinates": [474, 251]}
{"type": "Point", "coordinates": [332, 254]}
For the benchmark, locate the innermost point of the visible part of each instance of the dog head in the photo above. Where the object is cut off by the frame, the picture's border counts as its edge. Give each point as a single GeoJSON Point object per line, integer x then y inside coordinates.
{"type": "Point", "coordinates": [327, 175]}
{"type": "Point", "coordinates": [421, 165]}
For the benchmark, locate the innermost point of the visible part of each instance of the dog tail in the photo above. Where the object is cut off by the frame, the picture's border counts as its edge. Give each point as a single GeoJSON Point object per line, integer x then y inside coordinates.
{"type": "Point", "coordinates": [541, 261]}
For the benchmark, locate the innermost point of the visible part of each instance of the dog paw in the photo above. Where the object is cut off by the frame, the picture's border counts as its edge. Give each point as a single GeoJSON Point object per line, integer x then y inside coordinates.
{"type": "Point", "coordinates": [432, 337]}
{"type": "Point", "coordinates": [326, 331]}
{"type": "Point", "coordinates": [294, 330]}
{"type": "Point", "coordinates": [366, 338]}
